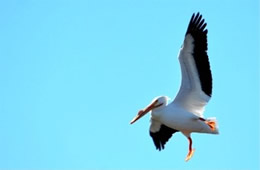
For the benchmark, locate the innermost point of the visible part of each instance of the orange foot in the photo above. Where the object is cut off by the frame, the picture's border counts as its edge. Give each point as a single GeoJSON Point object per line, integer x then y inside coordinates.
{"type": "Point", "coordinates": [190, 154]}
{"type": "Point", "coordinates": [211, 124]}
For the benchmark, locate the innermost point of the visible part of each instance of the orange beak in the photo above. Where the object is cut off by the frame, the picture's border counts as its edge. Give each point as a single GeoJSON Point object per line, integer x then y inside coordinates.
{"type": "Point", "coordinates": [141, 113]}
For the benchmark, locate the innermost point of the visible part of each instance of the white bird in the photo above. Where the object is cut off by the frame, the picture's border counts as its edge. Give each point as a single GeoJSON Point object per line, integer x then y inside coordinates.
{"type": "Point", "coordinates": [185, 113]}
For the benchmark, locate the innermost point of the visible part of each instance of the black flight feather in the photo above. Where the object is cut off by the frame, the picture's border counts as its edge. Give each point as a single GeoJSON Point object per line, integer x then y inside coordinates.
{"type": "Point", "coordinates": [197, 30]}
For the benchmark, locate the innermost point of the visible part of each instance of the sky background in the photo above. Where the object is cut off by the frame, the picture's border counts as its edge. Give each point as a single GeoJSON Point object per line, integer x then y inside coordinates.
{"type": "Point", "coordinates": [74, 73]}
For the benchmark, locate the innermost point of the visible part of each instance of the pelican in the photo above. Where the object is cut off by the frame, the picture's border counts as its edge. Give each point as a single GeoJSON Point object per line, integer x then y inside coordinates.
{"type": "Point", "coordinates": [185, 113]}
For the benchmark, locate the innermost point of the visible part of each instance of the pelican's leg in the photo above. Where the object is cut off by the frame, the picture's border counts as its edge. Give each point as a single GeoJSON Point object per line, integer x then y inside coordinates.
{"type": "Point", "coordinates": [191, 151]}
{"type": "Point", "coordinates": [210, 123]}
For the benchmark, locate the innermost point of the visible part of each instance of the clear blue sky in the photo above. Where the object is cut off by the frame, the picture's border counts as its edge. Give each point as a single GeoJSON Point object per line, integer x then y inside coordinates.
{"type": "Point", "coordinates": [74, 73]}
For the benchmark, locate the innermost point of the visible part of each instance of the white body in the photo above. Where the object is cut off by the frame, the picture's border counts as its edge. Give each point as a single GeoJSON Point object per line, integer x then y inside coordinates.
{"type": "Point", "coordinates": [177, 118]}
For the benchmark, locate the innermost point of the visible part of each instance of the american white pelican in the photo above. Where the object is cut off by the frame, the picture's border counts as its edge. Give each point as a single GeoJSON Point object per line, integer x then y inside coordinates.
{"type": "Point", "coordinates": [185, 113]}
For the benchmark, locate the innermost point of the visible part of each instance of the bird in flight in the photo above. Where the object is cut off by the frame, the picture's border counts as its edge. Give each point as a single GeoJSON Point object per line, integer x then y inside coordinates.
{"type": "Point", "coordinates": [185, 113]}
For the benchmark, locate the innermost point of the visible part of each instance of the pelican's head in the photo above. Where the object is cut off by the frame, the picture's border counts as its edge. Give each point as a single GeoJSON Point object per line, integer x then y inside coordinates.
{"type": "Point", "coordinates": [157, 103]}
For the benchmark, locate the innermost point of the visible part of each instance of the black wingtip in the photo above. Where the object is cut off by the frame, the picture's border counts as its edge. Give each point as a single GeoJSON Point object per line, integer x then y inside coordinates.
{"type": "Point", "coordinates": [197, 23]}
{"type": "Point", "coordinates": [162, 136]}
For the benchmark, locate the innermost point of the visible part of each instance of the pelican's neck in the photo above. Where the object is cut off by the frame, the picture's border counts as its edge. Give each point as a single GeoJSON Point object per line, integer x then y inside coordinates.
{"type": "Point", "coordinates": [157, 112]}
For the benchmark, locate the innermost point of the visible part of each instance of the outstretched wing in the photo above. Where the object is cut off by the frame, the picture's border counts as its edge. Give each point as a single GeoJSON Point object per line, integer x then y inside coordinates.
{"type": "Point", "coordinates": [196, 85]}
{"type": "Point", "coordinates": [160, 134]}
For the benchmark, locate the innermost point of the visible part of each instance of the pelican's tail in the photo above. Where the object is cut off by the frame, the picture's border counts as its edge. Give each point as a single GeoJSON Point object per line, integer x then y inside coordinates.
{"type": "Point", "coordinates": [213, 124]}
